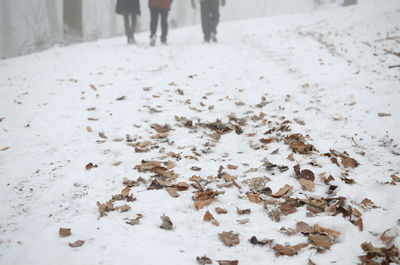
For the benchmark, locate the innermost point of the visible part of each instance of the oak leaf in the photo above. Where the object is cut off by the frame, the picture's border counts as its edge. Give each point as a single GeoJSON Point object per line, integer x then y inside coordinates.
{"type": "Point", "coordinates": [77, 243]}
{"type": "Point", "coordinates": [229, 238]}
{"type": "Point", "coordinates": [64, 232]}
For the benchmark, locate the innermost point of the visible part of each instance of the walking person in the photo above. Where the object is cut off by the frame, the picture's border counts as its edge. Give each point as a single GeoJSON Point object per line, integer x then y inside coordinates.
{"type": "Point", "coordinates": [209, 18]}
{"type": "Point", "coordinates": [159, 8]}
{"type": "Point", "coordinates": [129, 9]}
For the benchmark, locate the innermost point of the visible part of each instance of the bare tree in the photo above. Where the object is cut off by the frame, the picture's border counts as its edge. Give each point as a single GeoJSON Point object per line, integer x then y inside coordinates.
{"type": "Point", "coordinates": [7, 29]}
{"type": "Point", "coordinates": [53, 20]}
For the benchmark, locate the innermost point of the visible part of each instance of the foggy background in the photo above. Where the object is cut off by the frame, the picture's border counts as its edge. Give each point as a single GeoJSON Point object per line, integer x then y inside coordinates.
{"type": "Point", "coordinates": [33, 25]}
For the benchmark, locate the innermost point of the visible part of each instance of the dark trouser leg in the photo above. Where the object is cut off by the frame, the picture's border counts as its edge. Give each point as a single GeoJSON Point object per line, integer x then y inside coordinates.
{"type": "Point", "coordinates": [153, 21]}
{"type": "Point", "coordinates": [205, 18]}
{"type": "Point", "coordinates": [164, 24]}
{"type": "Point", "coordinates": [133, 24]}
{"type": "Point", "coordinates": [126, 24]}
{"type": "Point", "coordinates": [214, 16]}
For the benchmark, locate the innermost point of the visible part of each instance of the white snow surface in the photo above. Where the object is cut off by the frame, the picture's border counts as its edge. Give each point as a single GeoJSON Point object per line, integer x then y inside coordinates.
{"type": "Point", "coordinates": [328, 68]}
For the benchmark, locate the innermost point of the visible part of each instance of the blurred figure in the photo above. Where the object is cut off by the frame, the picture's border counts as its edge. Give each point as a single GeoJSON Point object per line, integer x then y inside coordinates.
{"type": "Point", "coordinates": [209, 18]}
{"type": "Point", "coordinates": [130, 9]}
{"type": "Point", "coordinates": [159, 8]}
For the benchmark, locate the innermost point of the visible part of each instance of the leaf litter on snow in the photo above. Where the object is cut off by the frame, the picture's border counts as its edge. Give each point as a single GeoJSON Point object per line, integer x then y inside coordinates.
{"type": "Point", "coordinates": [285, 201]}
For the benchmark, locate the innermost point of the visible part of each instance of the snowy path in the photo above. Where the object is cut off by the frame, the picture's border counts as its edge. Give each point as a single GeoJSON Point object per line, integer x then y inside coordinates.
{"type": "Point", "coordinates": [318, 68]}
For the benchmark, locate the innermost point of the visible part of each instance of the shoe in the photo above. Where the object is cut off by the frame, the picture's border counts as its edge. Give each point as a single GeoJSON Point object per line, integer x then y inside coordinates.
{"type": "Point", "coordinates": [153, 40]}
{"type": "Point", "coordinates": [206, 41]}
{"type": "Point", "coordinates": [214, 37]}
{"type": "Point", "coordinates": [164, 42]}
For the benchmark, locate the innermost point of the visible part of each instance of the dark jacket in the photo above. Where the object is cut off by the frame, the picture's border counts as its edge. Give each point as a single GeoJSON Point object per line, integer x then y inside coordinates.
{"type": "Point", "coordinates": [128, 6]}
{"type": "Point", "coordinates": [166, 4]}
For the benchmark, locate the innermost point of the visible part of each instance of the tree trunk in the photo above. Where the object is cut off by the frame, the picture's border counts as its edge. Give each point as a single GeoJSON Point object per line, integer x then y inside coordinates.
{"type": "Point", "coordinates": [52, 18]}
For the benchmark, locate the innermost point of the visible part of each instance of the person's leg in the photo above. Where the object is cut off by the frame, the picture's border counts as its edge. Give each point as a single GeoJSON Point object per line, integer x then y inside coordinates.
{"type": "Point", "coordinates": [126, 24]}
{"type": "Point", "coordinates": [205, 19]}
{"type": "Point", "coordinates": [214, 16]}
{"type": "Point", "coordinates": [164, 25]}
{"type": "Point", "coordinates": [153, 22]}
{"type": "Point", "coordinates": [133, 26]}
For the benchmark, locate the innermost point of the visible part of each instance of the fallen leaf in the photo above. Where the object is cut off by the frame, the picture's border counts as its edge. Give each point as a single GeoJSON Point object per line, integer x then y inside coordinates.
{"type": "Point", "coordinates": [300, 122]}
{"type": "Point", "coordinates": [182, 186]}
{"type": "Point", "coordinates": [243, 221]}
{"type": "Point", "coordinates": [395, 178]}
{"type": "Point", "coordinates": [253, 240]}
{"type": "Point", "coordinates": [243, 211]}
{"type": "Point", "coordinates": [323, 230]}
{"type": "Point", "coordinates": [91, 109]}
{"type": "Point", "coordinates": [228, 262]}
{"type": "Point", "coordinates": [288, 250]}
{"type": "Point", "coordinates": [306, 184]}
{"type": "Point", "coordinates": [321, 241]}
{"type": "Point", "coordinates": [283, 191]}
{"type": "Point", "coordinates": [159, 136]}
{"type": "Point", "coordinates": [102, 135]}
{"type": "Point", "coordinates": [123, 208]}
{"type": "Point", "coordinates": [64, 232]}
{"type": "Point", "coordinates": [172, 191]}
{"type": "Point", "coordinates": [5, 148]}
{"type": "Point", "coordinates": [115, 164]}
{"type": "Point", "coordinates": [93, 87]}
{"type": "Point", "coordinates": [304, 228]}
{"type": "Point", "coordinates": [102, 208]}
{"type": "Point", "coordinates": [201, 204]}
{"type": "Point", "coordinates": [232, 167]}
{"type": "Point", "coordinates": [125, 192]}
{"type": "Point", "coordinates": [300, 147]}
{"type": "Point", "coordinates": [208, 217]}
{"type": "Point", "coordinates": [121, 98]}
{"type": "Point", "coordinates": [204, 260]}
{"type": "Point", "coordinates": [166, 223]}
{"type": "Point", "coordinates": [89, 129]}
{"type": "Point", "coordinates": [135, 220]}
{"type": "Point", "coordinates": [382, 114]}
{"type": "Point", "coordinates": [389, 235]}
{"type": "Point", "coordinates": [220, 210]}
{"type": "Point", "coordinates": [1, 119]}
{"type": "Point", "coordinates": [254, 197]}
{"type": "Point", "coordinates": [229, 238]}
{"type": "Point", "coordinates": [77, 243]}
{"type": "Point", "coordinates": [348, 162]}
{"type": "Point", "coordinates": [90, 166]}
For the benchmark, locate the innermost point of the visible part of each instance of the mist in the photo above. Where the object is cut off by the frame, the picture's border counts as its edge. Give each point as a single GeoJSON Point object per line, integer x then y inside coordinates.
{"type": "Point", "coordinates": [28, 26]}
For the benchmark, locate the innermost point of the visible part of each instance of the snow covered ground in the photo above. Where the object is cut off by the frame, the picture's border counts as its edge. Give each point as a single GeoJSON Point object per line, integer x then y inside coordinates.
{"type": "Point", "coordinates": [312, 90]}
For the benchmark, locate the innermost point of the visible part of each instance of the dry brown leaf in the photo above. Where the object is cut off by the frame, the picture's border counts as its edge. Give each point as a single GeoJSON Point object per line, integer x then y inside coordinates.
{"type": "Point", "coordinates": [288, 250]}
{"type": "Point", "coordinates": [254, 197]}
{"type": "Point", "coordinates": [125, 192]}
{"type": "Point", "coordinates": [121, 98]}
{"type": "Point", "coordinates": [204, 260]}
{"type": "Point", "coordinates": [382, 114]}
{"type": "Point", "coordinates": [123, 208]}
{"type": "Point", "coordinates": [182, 186]}
{"type": "Point", "coordinates": [395, 178]}
{"type": "Point", "coordinates": [348, 162]}
{"type": "Point", "coordinates": [283, 191]}
{"type": "Point", "coordinates": [64, 232]}
{"type": "Point", "coordinates": [91, 109]}
{"type": "Point", "coordinates": [5, 148]}
{"type": "Point", "coordinates": [135, 220]}
{"type": "Point", "coordinates": [166, 223]}
{"type": "Point", "coordinates": [93, 119]}
{"type": "Point", "coordinates": [323, 230]}
{"type": "Point", "coordinates": [290, 157]}
{"type": "Point", "coordinates": [2, 118]}
{"type": "Point", "coordinates": [243, 221]}
{"type": "Point", "coordinates": [89, 129]}
{"type": "Point", "coordinates": [93, 87]}
{"type": "Point", "coordinates": [201, 204]}
{"type": "Point", "coordinates": [102, 208]}
{"type": "Point", "coordinates": [321, 241]}
{"type": "Point", "coordinates": [229, 238]}
{"type": "Point", "coordinates": [232, 167]}
{"type": "Point", "coordinates": [228, 262]}
{"type": "Point", "coordinates": [389, 235]}
{"type": "Point", "coordinates": [221, 210]}
{"type": "Point", "coordinates": [268, 140]}
{"type": "Point", "coordinates": [301, 148]}
{"type": "Point", "coordinates": [240, 103]}
{"type": "Point", "coordinates": [90, 166]}
{"type": "Point", "coordinates": [102, 135]}
{"type": "Point", "coordinates": [77, 243]}
{"type": "Point", "coordinates": [300, 122]}
{"type": "Point", "coordinates": [307, 184]}
{"type": "Point", "coordinates": [304, 228]}
{"type": "Point", "coordinates": [243, 211]}
{"type": "Point", "coordinates": [253, 240]}
{"type": "Point", "coordinates": [208, 217]}
{"type": "Point", "coordinates": [159, 136]}
{"type": "Point", "coordinates": [172, 191]}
